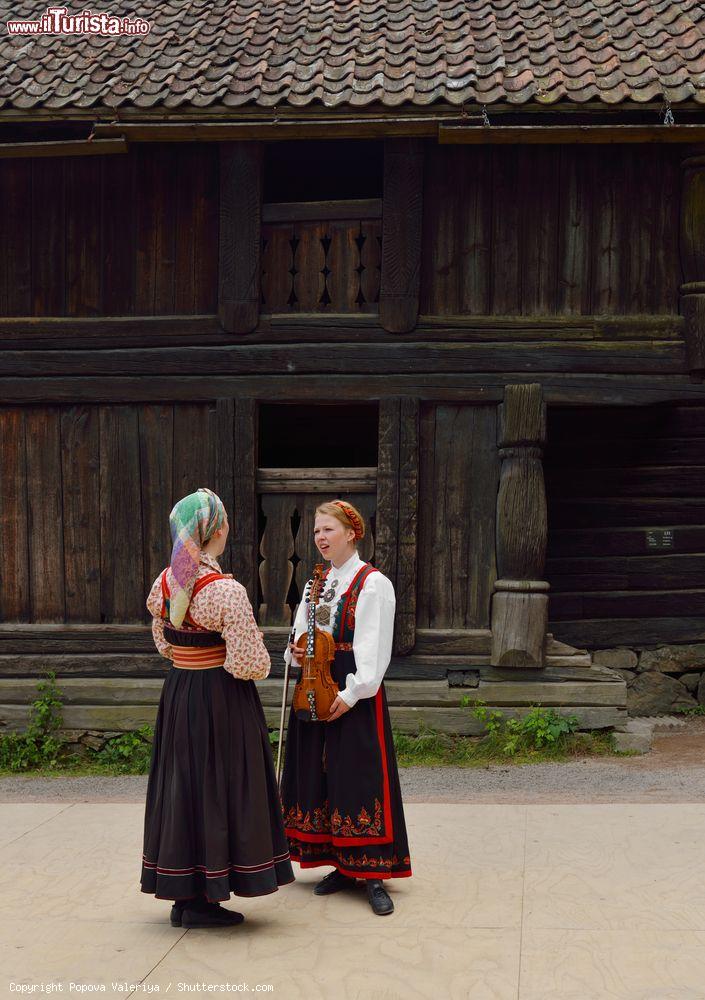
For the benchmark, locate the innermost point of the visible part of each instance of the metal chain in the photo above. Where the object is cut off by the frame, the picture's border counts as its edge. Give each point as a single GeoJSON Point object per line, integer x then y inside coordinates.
{"type": "Point", "coordinates": [485, 116]}
{"type": "Point", "coordinates": [668, 118]}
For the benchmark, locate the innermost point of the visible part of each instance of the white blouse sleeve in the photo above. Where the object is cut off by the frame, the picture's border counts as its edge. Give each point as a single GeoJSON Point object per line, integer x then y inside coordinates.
{"type": "Point", "coordinates": [373, 638]}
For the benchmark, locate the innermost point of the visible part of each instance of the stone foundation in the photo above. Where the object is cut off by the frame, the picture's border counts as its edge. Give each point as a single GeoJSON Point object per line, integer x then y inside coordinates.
{"type": "Point", "coordinates": [660, 679]}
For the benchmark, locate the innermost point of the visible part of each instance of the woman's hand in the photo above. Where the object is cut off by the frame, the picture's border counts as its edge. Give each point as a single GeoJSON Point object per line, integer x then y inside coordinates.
{"type": "Point", "coordinates": [296, 654]}
{"type": "Point", "coordinates": [338, 708]}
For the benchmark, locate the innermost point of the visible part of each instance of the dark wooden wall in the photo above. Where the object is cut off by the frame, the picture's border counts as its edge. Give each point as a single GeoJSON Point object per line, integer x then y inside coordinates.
{"type": "Point", "coordinates": [85, 496]}
{"type": "Point", "coordinates": [616, 479]}
{"type": "Point", "coordinates": [127, 235]}
{"type": "Point", "coordinates": [458, 482]}
{"type": "Point", "coordinates": [543, 230]}
{"type": "Point", "coordinates": [508, 230]}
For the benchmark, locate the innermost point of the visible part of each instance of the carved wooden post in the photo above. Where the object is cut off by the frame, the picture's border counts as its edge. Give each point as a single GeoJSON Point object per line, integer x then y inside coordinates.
{"type": "Point", "coordinates": [520, 600]}
{"type": "Point", "coordinates": [692, 303]}
{"type": "Point", "coordinates": [240, 235]}
{"type": "Point", "coordinates": [402, 210]}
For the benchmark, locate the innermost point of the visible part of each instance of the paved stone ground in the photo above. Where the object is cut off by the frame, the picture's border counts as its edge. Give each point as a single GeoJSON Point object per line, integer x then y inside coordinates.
{"type": "Point", "coordinates": [674, 771]}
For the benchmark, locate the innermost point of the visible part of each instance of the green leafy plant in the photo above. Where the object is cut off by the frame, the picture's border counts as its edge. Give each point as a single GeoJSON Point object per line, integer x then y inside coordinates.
{"type": "Point", "coordinates": [129, 753]}
{"type": "Point", "coordinates": [540, 729]}
{"type": "Point", "coordinates": [39, 745]}
{"type": "Point", "coordinates": [691, 710]}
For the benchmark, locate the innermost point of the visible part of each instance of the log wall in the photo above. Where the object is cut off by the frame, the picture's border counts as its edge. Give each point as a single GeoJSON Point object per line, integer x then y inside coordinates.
{"type": "Point", "coordinates": [626, 515]}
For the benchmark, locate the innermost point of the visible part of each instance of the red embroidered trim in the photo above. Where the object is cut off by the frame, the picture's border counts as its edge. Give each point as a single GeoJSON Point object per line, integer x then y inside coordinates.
{"type": "Point", "coordinates": [366, 570]}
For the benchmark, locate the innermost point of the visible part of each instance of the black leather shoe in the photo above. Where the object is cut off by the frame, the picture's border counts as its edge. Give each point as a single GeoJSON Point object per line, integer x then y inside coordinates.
{"type": "Point", "coordinates": [177, 911]}
{"type": "Point", "coordinates": [379, 897]}
{"type": "Point", "coordinates": [210, 915]}
{"type": "Point", "coordinates": [333, 882]}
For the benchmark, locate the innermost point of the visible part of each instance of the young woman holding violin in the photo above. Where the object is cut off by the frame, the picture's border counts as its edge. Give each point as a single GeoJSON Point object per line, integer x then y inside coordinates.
{"type": "Point", "coordinates": [340, 790]}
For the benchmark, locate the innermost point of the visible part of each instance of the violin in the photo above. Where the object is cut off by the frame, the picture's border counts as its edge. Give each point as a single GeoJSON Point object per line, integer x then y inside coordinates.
{"type": "Point", "coordinates": [316, 689]}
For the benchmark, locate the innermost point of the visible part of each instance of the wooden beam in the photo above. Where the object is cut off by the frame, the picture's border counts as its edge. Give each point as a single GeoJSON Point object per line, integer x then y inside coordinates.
{"type": "Point", "coordinates": [240, 236]}
{"type": "Point", "coordinates": [560, 388]}
{"type": "Point", "coordinates": [318, 480]}
{"type": "Point", "coordinates": [273, 130]}
{"type": "Point", "coordinates": [225, 471]}
{"type": "Point", "coordinates": [244, 515]}
{"type": "Point", "coordinates": [63, 147]}
{"type": "Point", "coordinates": [26, 332]}
{"type": "Point", "coordinates": [503, 134]}
{"type": "Point", "coordinates": [401, 234]}
{"type": "Point", "coordinates": [520, 600]}
{"type": "Point", "coordinates": [307, 211]}
{"type": "Point", "coordinates": [266, 360]}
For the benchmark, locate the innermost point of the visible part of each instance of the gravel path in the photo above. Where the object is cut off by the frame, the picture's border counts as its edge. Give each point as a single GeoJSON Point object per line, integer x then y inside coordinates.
{"type": "Point", "coordinates": [674, 771]}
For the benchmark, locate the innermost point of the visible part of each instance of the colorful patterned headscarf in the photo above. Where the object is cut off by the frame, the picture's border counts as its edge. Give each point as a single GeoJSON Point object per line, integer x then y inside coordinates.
{"type": "Point", "coordinates": [193, 521]}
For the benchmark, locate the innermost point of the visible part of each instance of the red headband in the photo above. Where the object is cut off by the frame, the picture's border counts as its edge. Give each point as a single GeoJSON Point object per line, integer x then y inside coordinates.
{"type": "Point", "coordinates": [352, 517]}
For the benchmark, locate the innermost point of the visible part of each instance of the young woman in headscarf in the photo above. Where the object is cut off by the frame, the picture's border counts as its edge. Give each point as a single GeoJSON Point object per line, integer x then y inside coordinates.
{"type": "Point", "coordinates": [213, 822]}
{"type": "Point", "coordinates": [340, 785]}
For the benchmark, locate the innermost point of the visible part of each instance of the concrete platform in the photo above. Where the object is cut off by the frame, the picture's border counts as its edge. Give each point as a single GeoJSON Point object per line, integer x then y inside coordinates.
{"type": "Point", "coordinates": [572, 902]}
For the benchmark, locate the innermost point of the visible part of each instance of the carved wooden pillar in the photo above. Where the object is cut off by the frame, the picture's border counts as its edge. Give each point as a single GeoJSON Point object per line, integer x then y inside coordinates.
{"type": "Point", "coordinates": [402, 210]}
{"type": "Point", "coordinates": [240, 235]}
{"type": "Point", "coordinates": [692, 303]}
{"type": "Point", "coordinates": [520, 599]}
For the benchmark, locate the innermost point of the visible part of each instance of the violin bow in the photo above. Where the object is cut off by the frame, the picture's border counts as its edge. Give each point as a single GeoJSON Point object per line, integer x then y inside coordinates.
{"type": "Point", "coordinates": [281, 718]}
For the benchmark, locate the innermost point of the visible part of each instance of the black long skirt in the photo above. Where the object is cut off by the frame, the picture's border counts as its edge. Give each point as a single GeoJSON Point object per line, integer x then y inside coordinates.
{"type": "Point", "coordinates": [340, 793]}
{"type": "Point", "coordinates": [213, 821]}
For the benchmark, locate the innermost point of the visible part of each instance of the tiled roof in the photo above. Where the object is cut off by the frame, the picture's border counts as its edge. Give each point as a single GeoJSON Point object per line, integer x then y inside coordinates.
{"type": "Point", "coordinates": [355, 53]}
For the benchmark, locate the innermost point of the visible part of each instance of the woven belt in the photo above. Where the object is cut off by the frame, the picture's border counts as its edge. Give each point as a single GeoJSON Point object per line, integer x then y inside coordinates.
{"type": "Point", "coordinates": [198, 657]}
{"type": "Point", "coordinates": [344, 645]}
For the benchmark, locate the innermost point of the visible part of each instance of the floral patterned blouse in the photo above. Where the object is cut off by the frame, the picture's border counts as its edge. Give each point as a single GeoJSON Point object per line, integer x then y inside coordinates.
{"type": "Point", "coordinates": [223, 606]}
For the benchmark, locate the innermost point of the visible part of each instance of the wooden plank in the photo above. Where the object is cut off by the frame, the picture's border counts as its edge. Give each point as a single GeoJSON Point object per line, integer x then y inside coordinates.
{"type": "Point", "coordinates": [409, 719]}
{"type": "Point", "coordinates": [80, 478]}
{"type": "Point", "coordinates": [46, 216]}
{"type": "Point", "coordinates": [633, 631]}
{"type": "Point", "coordinates": [513, 134]}
{"type": "Point", "coordinates": [15, 238]}
{"type": "Point", "coordinates": [205, 223]}
{"type": "Point", "coordinates": [240, 236]}
{"type": "Point", "coordinates": [120, 201]}
{"type": "Point", "coordinates": [277, 277]}
{"type": "Point", "coordinates": [457, 545]}
{"type": "Point", "coordinates": [44, 512]}
{"type": "Point", "coordinates": [506, 233]}
{"type": "Point", "coordinates": [370, 265]}
{"type": "Point", "coordinates": [121, 538]}
{"type": "Point", "coordinates": [401, 234]}
{"type": "Point", "coordinates": [407, 552]}
{"type": "Point", "coordinates": [276, 548]}
{"type": "Point", "coordinates": [561, 693]}
{"type": "Point", "coordinates": [14, 528]}
{"type": "Point", "coordinates": [244, 527]}
{"type": "Point", "coordinates": [388, 489]}
{"type": "Point", "coordinates": [225, 471]}
{"type": "Point", "coordinates": [312, 211]}
{"type": "Point", "coordinates": [639, 357]}
{"type": "Point", "coordinates": [83, 237]}
{"type": "Point", "coordinates": [27, 332]}
{"type": "Point", "coordinates": [628, 604]}
{"type": "Point", "coordinates": [559, 389]}
{"type": "Point", "coordinates": [156, 444]}
{"type": "Point", "coordinates": [146, 197]}
{"type": "Point", "coordinates": [64, 147]}
{"type": "Point", "coordinates": [195, 441]}
{"type": "Point", "coordinates": [361, 479]}
{"type": "Point", "coordinates": [309, 264]}
{"type": "Point", "coordinates": [574, 257]}
{"type": "Point", "coordinates": [538, 194]}
{"type": "Point", "coordinates": [685, 570]}
{"type": "Point", "coordinates": [187, 262]}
